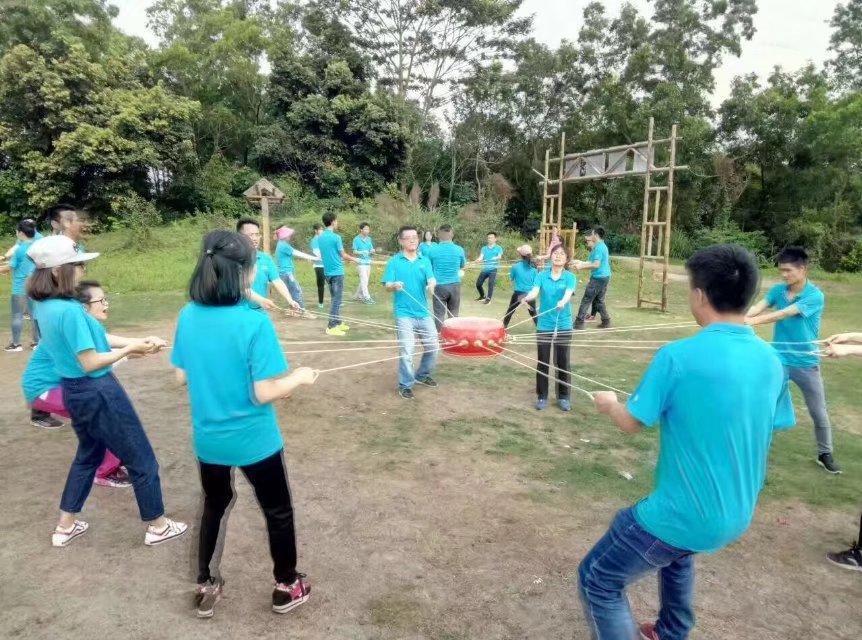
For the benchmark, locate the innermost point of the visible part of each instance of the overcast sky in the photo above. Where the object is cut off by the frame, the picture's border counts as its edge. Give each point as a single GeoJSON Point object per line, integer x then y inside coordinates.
{"type": "Point", "coordinates": [789, 32]}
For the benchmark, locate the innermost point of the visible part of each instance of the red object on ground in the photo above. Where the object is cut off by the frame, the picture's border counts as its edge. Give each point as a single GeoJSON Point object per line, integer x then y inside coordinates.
{"type": "Point", "coordinates": [473, 337]}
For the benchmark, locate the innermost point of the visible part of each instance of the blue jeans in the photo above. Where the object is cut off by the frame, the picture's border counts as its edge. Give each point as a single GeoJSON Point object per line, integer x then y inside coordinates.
{"type": "Point", "coordinates": [810, 382]}
{"type": "Point", "coordinates": [292, 285]}
{"type": "Point", "coordinates": [103, 417]}
{"type": "Point", "coordinates": [18, 303]}
{"type": "Point", "coordinates": [336, 290]}
{"type": "Point", "coordinates": [625, 554]}
{"type": "Point", "coordinates": [491, 277]}
{"type": "Point", "coordinates": [409, 331]}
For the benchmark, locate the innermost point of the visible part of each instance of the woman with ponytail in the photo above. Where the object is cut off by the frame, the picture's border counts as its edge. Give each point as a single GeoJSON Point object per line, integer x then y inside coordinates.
{"type": "Point", "coordinates": [522, 274]}
{"type": "Point", "coordinates": [230, 358]}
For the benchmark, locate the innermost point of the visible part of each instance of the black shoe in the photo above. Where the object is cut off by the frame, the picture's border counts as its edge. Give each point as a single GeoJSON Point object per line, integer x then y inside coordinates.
{"type": "Point", "coordinates": [849, 559]}
{"type": "Point", "coordinates": [606, 324]}
{"type": "Point", "coordinates": [207, 595]}
{"type": "Point", "coordinates": [486, 301]}
{"type": "Point", "coordinates": [407, 394]}
{"type": "Point", "coordinates": [480, 299]}
{"type": "Point", "coordinates": [825, 460]}
{"type": "Point", "coordinates": [46, 422]}
{"type": "Point", "coordinates": [13, 348]}
{"type": "Point", "coordinates": [428, 381]}
{"type": "Point", "coordinates": [580, 325]}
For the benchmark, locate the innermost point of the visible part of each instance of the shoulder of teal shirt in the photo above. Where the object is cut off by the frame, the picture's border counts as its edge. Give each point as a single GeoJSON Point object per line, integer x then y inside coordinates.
{"type": "Point", "coordinates": [774, 294]}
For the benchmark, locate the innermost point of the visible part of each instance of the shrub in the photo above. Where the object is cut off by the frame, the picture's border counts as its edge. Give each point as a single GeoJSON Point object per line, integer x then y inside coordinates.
{"type": "Point", "coordinates": [841, 253]}
{"type": "Point", "coordinates": [140, 217]}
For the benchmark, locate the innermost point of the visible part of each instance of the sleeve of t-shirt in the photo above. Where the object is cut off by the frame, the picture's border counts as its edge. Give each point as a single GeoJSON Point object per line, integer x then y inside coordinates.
{"type": "Point", "coordinates": [389, 272]}
{"type": "Point", "coordinates": [512, 273]}
{"type": "Point", "coordinates": [177, 349]}
{"type": "Point", "coordinates": [571, 281]}
{"type": "Point", "coordinates": [463, 257]}
{"type": "Point", "coordinates": [76, 331]}
{"type": "Point", "coordinates": [785, 417]}
{"type": "Point", "coordinates": [772, 295]}
{"type": "Point", "coordinates": [356, 246]}
{"type": "Point", "coordinates": [271, 271]}
{"type": "Point", "coordinates": [339, 244]}
{"type": "Point", "coordinates": [649, 401]}
{"type": "Point", "coordinates": [427, 270]}
{"type": "Point", "coordinates": [810, 305]}
{"type": "Point", "coordinates": [266, 360]}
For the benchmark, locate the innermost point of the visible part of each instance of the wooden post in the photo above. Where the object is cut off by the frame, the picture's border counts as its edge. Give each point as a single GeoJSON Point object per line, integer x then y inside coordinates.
{"type": "Point", "coordinates": [644, 225]}
{"type": "Point", "coordinates": [668, 216]}
{"type": "Point", "coordinates": [264, 217]}
{"type": "Point", "coordinates": [560, 186]}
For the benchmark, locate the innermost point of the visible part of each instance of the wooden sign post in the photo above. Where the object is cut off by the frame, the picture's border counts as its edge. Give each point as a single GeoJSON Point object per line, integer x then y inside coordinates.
{"type": "Point", "coordinates": [263, 193]}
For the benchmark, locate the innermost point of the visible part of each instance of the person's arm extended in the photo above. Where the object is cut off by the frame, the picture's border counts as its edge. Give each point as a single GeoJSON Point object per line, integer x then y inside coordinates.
{"type": "Point", "coordinates": [347, 256]}
{"type": "Point", "coordinates": [285, 293]}
{"type": "Point", "coordinates": [432, 283]}
{"type": "Point", "coordinates": [259, 300]}
{"type": "Point", "coordinates": [10, 252]}
{"type": "Point", "coordinates": [758, 308]}
{"type": "Point", "coordinates": [305, 256]}
{"type": "Point", "coordinates": [266, 391]}
{"type": "Point", "coordinates": [534, 293]}
{"type": "Point", "coordinates": [567, 296]}
{"type": "Point", "coordinates": [774, 316]}
{"type": "Point", "coordinates": [607, 403]}
{"type": "Point", "coordinates": [393, 286]}
{"type": "Point", "coordinates": [845, 338]}
{"type": "Point", "coordinates": [5, 268]}
{"type": "Point", "coordinates": [118, 342]}
{"type": "Point", "coordinates": [180, 375]}
{"type": "Point", "coordinates": [92, 360]}
{"type": "Point", "coordinates": [837, 350]}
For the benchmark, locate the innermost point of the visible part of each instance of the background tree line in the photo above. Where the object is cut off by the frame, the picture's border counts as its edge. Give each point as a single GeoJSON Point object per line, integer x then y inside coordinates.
{"type": "Point", "coordinates": [443, 105]}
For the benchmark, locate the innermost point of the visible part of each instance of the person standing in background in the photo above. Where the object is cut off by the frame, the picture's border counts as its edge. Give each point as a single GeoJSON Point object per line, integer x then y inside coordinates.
{"type": "Point", "coordinates": [594, 294]}
{"type": "Point", "coordinates": [490, 259]}
{"type": "Point", "coordinates": [21, 267]}
{"type": "Point", "coordinates": [363, 248]}
{"type": "Point", "coordinates": [447, 262]}
{"type": "Point", "coordinates": [333, 255]}
{"type": "Point", "coordinates": [319, 277]}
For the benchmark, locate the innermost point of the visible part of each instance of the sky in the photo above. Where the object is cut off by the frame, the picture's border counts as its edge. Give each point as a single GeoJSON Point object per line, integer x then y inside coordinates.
{"type": "Point", "coordinates": [790, 33]}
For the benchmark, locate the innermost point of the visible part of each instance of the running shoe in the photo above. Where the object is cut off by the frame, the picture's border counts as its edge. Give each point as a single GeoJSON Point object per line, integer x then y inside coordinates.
{"type": "Point", "coordinates": [486, 301]}
{"type": "Point", "coordinates": [320, 305]}
{"type": "Point", "coordinates": [344, 327]}
{"type": "Point", "coordinates": [286, 597]}
{"type": "Point", "coordinates": [541, 404]}
{"type": "Point", "coordinates": [34, 346]}
{"type": "Point", "coordinates": [170, 531]}
{"type": "Point", "coordinates": [335, 331]}
{"type": "Point", "coordinates": [117, 479]}
{"type": "Point", "coordinates": [407, 394]}
{"type": "Point", "coordinates": [62, 537]}
{"type": "Point", "coordinates": [826, 461]}
{"type": "Point", "coordinates": [849, 559]}
{"type": "Point", "coordinates": [13, 348]}
{"type": "Point", "coordinates": [206, 597]}
{"type": "Point", "coordinates": [428, 381]}
{"type": "Point", "coordinates": [606, 324]}
{"type": "Point", "coordinates": [46, 422]}
{"type": "Point", "coordinates": [565, 404]}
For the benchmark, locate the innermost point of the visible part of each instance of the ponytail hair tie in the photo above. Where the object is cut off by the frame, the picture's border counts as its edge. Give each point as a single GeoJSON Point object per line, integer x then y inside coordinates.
{"type": "Point", "coordinates": [209, 252]}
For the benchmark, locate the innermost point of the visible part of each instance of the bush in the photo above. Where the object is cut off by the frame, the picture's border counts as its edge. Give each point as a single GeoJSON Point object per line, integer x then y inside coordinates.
{"type": "Point", "coordinates": [140, 217]}
{"type": "Point", "coordinates": [626, 244]}
{"type": "Point", "coordinates": [841, 253]}
{"type": "Point", "coordinates": [729, 232]}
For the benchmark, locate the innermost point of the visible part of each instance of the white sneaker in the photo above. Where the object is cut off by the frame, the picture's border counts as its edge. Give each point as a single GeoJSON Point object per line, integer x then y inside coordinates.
{"type": "Point", "coordinates": [171, 530]}
{"type": "Point", "coordinates": [61, 538]}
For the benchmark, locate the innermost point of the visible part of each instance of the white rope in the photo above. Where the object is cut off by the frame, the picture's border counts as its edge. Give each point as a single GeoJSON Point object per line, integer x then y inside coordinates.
{"type": "Point", "coordinates": [391, 346]}
{"type": "Point", "coordinates": [530, 318]}
{"type": "Point", "coordinates": [547, 375]}
{"type": "Point", "coordinates": [370, 362]}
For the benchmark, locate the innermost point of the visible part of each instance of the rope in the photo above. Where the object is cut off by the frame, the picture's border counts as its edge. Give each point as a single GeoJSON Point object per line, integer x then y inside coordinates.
{"type": "Point", "coordinates": [547, 375]}
{"type": "Point", "coordinates": [291, 343]}
{"type": "Point", "coordinates": [530, 318]}
{"type": "Point", "coordinates": [391, 346]}
{"type": "Point", "coordinates": [361, 364]}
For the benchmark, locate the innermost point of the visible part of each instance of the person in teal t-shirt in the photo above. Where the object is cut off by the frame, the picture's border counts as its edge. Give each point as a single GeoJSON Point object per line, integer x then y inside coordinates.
{"type": "Point", "coordinates": [230, 358]}
{"type": "Point", "coordinates": [333, 255]}
{"type": "Point", "coordinates": [266, 272]}
{"type": "Point", "coordinates": [717, 398]}
{"type": "Point", "coordinates": [554, 288]}
{"type": "Point", "coordinates": [410, 277]}
{"type": "Point", "coordinates": [319, 277]}
{"type": "Point", "coordinates": [427, 245]}
{"type": "Point", "coordinates": [21, 267]}
{"type": "Point", "coordinates": [489, 257]}
{"type": "Point", "coordinates": [523, 275]}
{"type": "Point", "coordinates": [363, 249]}
{"type": "Point", "coordinates": [284, 256]}
{"type": "Point", "coordinates": [798, 308]}
{"type": "Point", "coordinates": [599, 261]}
{"type": "Point", "coordinates": [447, 262]}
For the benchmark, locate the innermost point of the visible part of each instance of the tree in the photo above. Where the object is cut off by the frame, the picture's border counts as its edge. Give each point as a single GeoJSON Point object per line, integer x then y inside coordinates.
{"type": "Point", "coordinates": [846, 46]}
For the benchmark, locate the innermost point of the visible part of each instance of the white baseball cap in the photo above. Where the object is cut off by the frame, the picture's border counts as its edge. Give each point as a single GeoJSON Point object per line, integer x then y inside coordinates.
{"type": "Point", "coordinates": [53, 251]}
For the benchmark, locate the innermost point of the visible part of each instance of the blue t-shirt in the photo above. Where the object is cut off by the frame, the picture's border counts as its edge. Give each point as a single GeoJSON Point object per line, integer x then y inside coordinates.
{"type": "Point", "coordinates": [447, 259]}
{"type": "Point", "coordinates": [491, 257]}
{"type": "Point", "coordinates": [315, 247]}
{"type": "Point", "coordinates": [284, 257]}
{"type": "Point", "coordinates": [266, 273]}
{"type": "Point", "coordinates": [67, 330]}
{"type": "Point", "coordinates": [331, 246]}
{"type": "Point", "coordinates": [40, 375]}
{"type": "Point", "coordinates": [224, 351]}
{"type": "Point", "coordinates": [804, 327]}
{"type": "Point", "coordinates": [363, 246]}
{"type": "Point", "coordinates": [600, 252]}
{"type": "Point", "coordinates": [550, 293]}
{"type": "Point", "coordinates": [426, 249]}
{"type": "Point", "coordinates": [718, 397]}
{"type": "Point", "coordinates": [523, 275]}
{"type": "Point", "coordinates": [22, 267]}
{"type": "Point", "coordinates": [412, 302]}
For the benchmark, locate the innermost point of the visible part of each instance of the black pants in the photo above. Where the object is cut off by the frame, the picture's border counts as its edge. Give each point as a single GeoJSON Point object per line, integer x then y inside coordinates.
{"type": "Point", "coordinates": [321, 283]}
{"type": "Point", "coordinates": [447, 303]}
{"type": "Point", "coordinates": [269, 480]}
{"type": "Point", "coordinates": [514, 303]}
{"type": "Point", "coordinates": [560, 344]}
{"type": "Point", "coordinates": [594, 299]}
{"type": "Point", "coordinates": [491, 277]}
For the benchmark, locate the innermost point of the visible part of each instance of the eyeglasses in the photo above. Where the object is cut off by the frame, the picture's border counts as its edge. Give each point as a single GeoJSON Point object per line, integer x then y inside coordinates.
{"type": "Point", "coordinates": [103, 301]}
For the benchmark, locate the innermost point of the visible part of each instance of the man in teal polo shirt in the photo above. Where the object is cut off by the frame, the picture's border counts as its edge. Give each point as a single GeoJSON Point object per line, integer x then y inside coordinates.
{"type": "Point", "coordinates": [717, 396]}
{"type": "Point", "coordinates": [21, 267]}
{"type": "Point", "coordinates": [333, 255]}
{"type": "Point", "coordinates": [447, 261]}
{"type": "Point", "coordinates": [489, 257]}
{"type": "Point", "coordinates": [599, 261]}
{"type": "Point", "coordinates": [411, 277]}
{"type": "Point", "coordinates": [363, 248]}
{"type": "Point", "coordinates": [266, 272]}
{"type": "Point", "coordinates": [798, 308]}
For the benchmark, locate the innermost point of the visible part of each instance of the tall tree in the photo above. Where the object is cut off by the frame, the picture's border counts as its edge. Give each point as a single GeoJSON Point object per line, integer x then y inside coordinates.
{"type": "Point", "coordinates": [846, 46]}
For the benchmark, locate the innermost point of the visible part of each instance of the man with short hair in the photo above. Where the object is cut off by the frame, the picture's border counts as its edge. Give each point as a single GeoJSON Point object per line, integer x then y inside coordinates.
{"type": "Point", "coordinates": [68, 221]}
{"type": "Point", "coordinates": [798, 310]}
{"type": "Point", "coordinates": [363, 248]}
{"type": "Point", "coordinates": [447, 262]}
{"type": "Point", "coordinates": [21, 266]}
{"type": "Point", "coordinates": [718, 396]}
{"type": "Point", "coordinates": [489, 256]}
{"type": "Point", "coordinates": [266, 272]}
{"type": "Point", "coordinates": [333, 255]}
{"type": "Point", "coordinates": [599, 261]}
{"type": "Point", "coordinates": [410, 277]}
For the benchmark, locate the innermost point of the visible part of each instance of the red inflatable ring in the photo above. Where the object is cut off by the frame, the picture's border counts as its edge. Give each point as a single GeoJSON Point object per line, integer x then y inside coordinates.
{"type": "Point", "coordinates": [473, 337]}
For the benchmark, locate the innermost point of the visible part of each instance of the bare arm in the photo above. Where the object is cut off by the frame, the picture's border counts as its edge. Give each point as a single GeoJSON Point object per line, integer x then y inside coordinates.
{"type": "Point", "coordinates": [92, 360]}
{"type": "Point", "coordinates": [304, 256]}
{"type": "Point", "coordinates": [393, 286]}
{"type": "Point", "coordinates": [118, 342]}
{"type": "Point", "coordinates": [347, 256]}
{"type": "Point", "coordinates": [534, 293]}
{"type": "Point", "coordinates": [260, 301]}
{"type": "Point", "coordinates": [266, 391]}
{"type": "Point", "coordinates": [284, 293]}
{"type": "Point", "coordinates": [758, 308]}
{"type": "Point", "coordinates": [607, 403]}
{"type": "Point", "coordinates": [845, 338]}
{"type": "Point", "coordinates": [565, 299]}
{"type": "Point", "coordinates": [774, 316]}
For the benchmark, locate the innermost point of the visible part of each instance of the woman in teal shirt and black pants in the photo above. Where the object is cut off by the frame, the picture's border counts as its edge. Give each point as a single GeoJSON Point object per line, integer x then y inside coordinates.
{"type": "Point", "coordinates": [231, 360]}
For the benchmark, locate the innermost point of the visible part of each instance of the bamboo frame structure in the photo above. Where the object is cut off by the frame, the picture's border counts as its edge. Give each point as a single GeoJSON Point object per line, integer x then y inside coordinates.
{"type": "Point", "coordinates": [613, 163]}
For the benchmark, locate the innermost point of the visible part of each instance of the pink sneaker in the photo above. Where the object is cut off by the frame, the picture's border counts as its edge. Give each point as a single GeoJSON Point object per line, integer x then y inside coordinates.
{"type": "Point", "coordinates": [648, 632]}
{"type": "Point", "coordinates": [286, 597]}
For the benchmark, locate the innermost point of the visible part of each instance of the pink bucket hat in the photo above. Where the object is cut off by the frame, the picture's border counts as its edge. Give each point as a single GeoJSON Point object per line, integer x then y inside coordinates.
{"type": "Point", "coordinates": [284, 233]}
{"type": "Point", "coordinates": [525, 250]}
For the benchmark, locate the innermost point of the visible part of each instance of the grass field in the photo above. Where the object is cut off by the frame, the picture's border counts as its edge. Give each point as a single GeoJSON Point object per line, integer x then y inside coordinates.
{"type": "Point", "coordinates": [483, 438]}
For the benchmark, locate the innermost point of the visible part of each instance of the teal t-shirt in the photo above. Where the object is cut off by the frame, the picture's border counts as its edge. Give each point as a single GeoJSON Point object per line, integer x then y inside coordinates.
{"type": "Point", "coordinates": [22, 267]}
{"type": "Point", "coordinates": [224, 351]}
{"type": "Point", "coordinates": [331, 246]}
{"type": "Point", "coordinates": [315, 248]}
{"type": "Point", "coordinates": [426, 249]}
{"type": "Point", "coordinates": [447, 259]}
{"type": "Point", "coordinates": [284, 257]}
{"type": "Point", "coordinates": [415, 274]}
{"type": "Point", "coordinates": [266, 273]}
{"type": "Point", "coordinates": [491, 257]}
{"type": "Point", "coordinates": [718, 397]}
{"type": "Point", "coordinates": [363, 246]}
{"type": "Point", "coordinates": [39, 376]}
{"type": "Point", "coordinates": [600, 252]}
{"type": "Point", "coordinates": [550, 293]}
{"type": "Point", "coordinates": [801, 328]}
{"type": "Point", "coordinates": [67, 330]}
{"type": "Point", "coordinates": [523, 275]}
